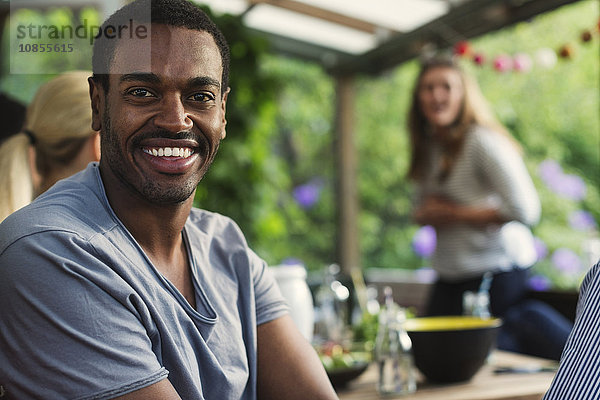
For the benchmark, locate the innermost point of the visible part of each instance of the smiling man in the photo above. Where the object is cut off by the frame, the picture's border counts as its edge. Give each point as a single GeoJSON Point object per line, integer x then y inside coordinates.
{"type": "Point", "coordinates": [111, 284]}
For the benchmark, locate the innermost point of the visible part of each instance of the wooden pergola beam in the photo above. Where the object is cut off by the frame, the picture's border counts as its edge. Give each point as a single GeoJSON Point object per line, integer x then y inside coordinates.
{"type": "Point", "coordinates": [347, 240]}
{"type": "Point", "coordinates": [320, 13]}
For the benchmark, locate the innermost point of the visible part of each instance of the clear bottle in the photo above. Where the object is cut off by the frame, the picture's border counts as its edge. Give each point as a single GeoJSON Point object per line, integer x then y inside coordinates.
{"type": "Point", "coordinates": [393, 351]}
{"type": "Point", "coordinates": [477, 304]}
{"type": "Point", "coordinates": [469, 302]}
{"type": "Point", "coordinates": [331, 307]}
{"type": "Point", "coordinates": [373, 305]}
{"type": "Point", "coordinates": [482, 305]}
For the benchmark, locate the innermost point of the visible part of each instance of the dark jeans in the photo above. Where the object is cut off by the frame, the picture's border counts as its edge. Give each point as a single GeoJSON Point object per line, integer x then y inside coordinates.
{"type": "Point", "coordinates": [529, 326]}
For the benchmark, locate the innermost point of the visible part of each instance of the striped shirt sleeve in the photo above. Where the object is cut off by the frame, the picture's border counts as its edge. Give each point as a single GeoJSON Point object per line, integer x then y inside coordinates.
{"type": "Point", "coordinates": [500, 164]}
{"type": "Point", "coordinates": [578, 375]}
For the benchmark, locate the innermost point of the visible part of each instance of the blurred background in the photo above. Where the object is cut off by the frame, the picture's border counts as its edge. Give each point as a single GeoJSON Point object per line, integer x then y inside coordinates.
{"type": "Point", "coordinates": [313, 167]}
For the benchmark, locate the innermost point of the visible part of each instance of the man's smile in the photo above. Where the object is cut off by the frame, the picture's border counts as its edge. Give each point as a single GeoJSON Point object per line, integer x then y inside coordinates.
{"type": "Point", "coordinates": [171, 158]}
{"type": "Point", "coordinates": [179, 152]}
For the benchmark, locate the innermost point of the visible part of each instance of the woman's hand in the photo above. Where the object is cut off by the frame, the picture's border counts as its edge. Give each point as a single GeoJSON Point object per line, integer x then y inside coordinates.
{"type": "Point", "coordinates": [439, 212]}
{"type": "Point", "coordinates": [436, 211]}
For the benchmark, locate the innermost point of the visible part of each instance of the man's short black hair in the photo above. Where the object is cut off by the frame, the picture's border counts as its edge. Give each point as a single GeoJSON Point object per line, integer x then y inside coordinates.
{"type": "Point", "coordinates": [178, 13]}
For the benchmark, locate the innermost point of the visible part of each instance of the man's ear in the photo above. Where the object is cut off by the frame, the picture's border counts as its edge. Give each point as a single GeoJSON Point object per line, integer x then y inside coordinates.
{"type": "Point", "coordinates": [97, 97]}
{"type": "Point", "coordinates": [224, 109]}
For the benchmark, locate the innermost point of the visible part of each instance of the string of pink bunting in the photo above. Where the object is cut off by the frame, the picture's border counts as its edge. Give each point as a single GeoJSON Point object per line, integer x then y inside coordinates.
{"type": "Point", "coordinates": [544, 57]}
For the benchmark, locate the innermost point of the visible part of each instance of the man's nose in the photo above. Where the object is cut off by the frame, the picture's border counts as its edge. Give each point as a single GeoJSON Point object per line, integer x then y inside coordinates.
{"type": "Point", "coordinates": [173, 116]}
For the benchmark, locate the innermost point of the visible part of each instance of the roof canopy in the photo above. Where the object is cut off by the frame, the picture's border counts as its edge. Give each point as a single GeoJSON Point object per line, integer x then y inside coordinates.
{"type": "Point", "coordinates": [356, 36]}
{"type": "Point", "coordinates": [350, 36]}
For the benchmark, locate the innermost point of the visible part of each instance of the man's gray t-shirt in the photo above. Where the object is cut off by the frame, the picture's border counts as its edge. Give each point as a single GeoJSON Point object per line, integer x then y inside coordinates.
{"type": "Point", "coordinates": [84, 314]}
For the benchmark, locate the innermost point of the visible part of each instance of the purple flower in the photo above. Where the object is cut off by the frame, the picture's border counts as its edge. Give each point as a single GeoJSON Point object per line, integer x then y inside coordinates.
{"type": "Point", "coordinates": [565, 260]}
{"type": "Point", "coordinates": [549, 171]}
{"type": "Point", "coordinates": [566, 185]}
{"type": "Point", "coordinates": [424, 241]}
{"type": "Point", "coordinates": [571, 187]}
{"type": "Point", "coordinates": [582, 221]}
{"type": "Point", "coordinates": [308, 194]}
{"type": "Point", "coordinates": [541, 250]}
{"type": "Point", "coordinates": [539, 282]}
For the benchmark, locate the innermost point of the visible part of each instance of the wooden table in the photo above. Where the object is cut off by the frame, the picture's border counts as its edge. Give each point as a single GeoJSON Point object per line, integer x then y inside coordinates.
{"type": "Point", "coordinates": [485, 385]}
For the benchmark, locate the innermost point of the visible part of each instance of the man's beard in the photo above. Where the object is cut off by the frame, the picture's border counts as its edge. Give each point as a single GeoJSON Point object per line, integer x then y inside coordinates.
{"type": "Point", "coordinates": [151, 191]}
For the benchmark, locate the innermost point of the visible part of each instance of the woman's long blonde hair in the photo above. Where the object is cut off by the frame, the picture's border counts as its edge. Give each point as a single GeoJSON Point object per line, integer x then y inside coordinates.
{"type": "Point", "coordinates": [57, 123]}
{"type": "Point", "coordinates": [475, 110]}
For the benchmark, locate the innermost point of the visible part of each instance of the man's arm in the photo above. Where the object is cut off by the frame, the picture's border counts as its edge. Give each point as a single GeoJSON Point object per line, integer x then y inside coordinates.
{"type": "Point", "coordinates": [288, 366]}
{"type": "Point", "coordinates": [162, 390]}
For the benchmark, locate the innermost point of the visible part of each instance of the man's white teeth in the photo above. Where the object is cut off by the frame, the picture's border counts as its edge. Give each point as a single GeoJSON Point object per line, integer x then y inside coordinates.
{"type": "Point", "coordinates": [170, 152]}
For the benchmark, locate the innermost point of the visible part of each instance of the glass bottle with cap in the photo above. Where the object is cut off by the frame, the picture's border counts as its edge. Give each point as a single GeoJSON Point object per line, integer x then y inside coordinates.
{"type": "Point", "coordinates": [393, 351]}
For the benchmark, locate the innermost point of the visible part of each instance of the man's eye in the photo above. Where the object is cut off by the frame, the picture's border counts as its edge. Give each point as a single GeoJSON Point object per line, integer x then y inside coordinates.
{"type": "Point", "coordinates": [202, 97]}
{"type": "Point", "coordinates": [140, 92]}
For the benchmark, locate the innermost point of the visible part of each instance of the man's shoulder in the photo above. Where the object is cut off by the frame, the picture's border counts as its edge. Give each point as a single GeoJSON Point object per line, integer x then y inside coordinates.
{"type": "Point", "coordinates": [591, 280]}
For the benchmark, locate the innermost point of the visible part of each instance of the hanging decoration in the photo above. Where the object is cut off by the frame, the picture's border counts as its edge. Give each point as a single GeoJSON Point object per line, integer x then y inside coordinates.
{"type": "Point", "coordinates": [522, 62]}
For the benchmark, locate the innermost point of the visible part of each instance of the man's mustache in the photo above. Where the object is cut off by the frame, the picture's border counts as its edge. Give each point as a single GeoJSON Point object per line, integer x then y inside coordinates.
{"type": "Point", "coordinates": [165, 134]}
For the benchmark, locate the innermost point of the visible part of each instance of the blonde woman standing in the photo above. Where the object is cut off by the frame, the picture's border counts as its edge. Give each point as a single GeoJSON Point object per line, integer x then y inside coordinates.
{"type": "Point", "coordinates": [56, 141]}
{"type": "Point", "coordinates": [473, 187]}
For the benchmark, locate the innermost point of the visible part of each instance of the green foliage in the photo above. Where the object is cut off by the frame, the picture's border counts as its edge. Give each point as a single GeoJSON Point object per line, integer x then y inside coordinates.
{"type": "Point", "coordinates": [238, 183]}
{"type": "Point", "coordinates": [43, 66]}
{"type": "Point", "coordinates": [303, 145]}
{"type": "Point", "coordinates": [383, 160]}
{"type": "Point", "coordinates": [259, 162]}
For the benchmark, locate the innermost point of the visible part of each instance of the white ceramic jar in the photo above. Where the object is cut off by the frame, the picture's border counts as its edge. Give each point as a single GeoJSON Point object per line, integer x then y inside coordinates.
{"type": "Point", "coordinates": [291, 280]}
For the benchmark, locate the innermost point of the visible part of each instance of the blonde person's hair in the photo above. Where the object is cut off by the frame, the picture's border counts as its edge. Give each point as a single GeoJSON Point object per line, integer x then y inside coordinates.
{"type": "Point", "coordinates": [57, 123]}
{"type": "Point", "coordinates": [475, 110]}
